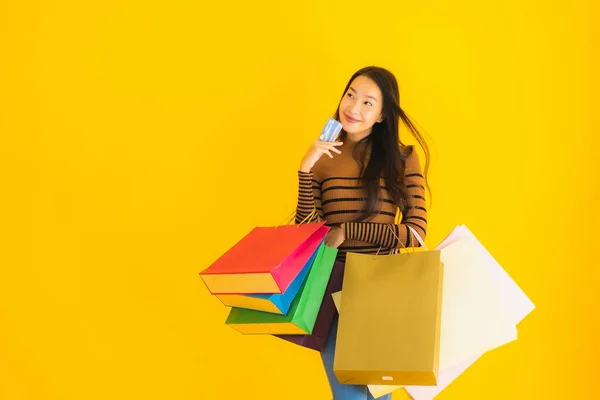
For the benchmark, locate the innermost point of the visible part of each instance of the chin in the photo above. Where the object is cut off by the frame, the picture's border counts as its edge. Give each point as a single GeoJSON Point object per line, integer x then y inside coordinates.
{"type": "Point", "coordinates": [351, 128]}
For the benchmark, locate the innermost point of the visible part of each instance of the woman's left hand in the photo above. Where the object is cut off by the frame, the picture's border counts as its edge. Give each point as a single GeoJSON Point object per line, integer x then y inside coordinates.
{"type": "Point", "coordinates": [335, 237]}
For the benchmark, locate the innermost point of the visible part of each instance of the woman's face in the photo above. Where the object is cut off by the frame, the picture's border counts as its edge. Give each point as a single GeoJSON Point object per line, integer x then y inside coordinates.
{"type": "Point", "coordinates": [361, 107]}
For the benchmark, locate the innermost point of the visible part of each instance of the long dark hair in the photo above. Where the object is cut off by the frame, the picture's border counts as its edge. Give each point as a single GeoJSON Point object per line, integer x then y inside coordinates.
{"type": "Point", "coordinates": [388, 154]}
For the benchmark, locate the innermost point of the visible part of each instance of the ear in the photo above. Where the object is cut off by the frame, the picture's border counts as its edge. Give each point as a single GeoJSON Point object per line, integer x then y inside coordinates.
{"type": "Point", "coordinates": [380, 118]}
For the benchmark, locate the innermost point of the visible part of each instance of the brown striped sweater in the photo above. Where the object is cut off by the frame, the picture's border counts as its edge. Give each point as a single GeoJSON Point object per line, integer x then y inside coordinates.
{"type": "Point", "coordinates": [333, 189]}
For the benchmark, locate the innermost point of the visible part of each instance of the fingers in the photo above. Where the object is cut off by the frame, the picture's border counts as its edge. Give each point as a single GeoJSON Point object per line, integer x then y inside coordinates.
{"type": "Point", "coordinates": [328, 147]}
{"type": "Point", "coordinates": [320, 147]}
{"type": "Point", "coordinates": [321, 142]}
{"type": "Point", "coordinates": [329, 143]}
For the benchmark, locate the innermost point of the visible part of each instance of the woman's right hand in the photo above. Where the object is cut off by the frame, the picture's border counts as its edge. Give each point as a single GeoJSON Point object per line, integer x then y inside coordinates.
{"type": "Point", "coordinates": [315, 151]}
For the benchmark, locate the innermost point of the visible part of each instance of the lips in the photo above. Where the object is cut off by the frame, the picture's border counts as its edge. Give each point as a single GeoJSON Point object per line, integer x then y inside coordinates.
{"type": "Point", "coordinates": [350, 119]}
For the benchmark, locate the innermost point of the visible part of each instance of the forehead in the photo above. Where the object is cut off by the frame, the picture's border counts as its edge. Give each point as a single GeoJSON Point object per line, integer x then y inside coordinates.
{"type": "Point", "coordinates": [365, 86]}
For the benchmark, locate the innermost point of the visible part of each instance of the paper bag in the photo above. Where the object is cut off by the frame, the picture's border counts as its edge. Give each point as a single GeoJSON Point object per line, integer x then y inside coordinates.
{"type": "Point", "coordinates": [303, 311]}
{"type": "Point", "coordinates": [318, 338]}
{"type": "Point", "coordinates": [265, 261]}
{"type": "Point", "coordinates": [517, 303]}
{"type": "Point", "coordinates": [389, 325]}
{"type": "Point", "coordinates": [274, 303]}
{"type": "Point", "coordinates": [474, 317]}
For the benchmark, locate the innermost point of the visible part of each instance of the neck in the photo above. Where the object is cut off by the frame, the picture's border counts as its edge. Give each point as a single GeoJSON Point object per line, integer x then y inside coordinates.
{"type": "Point", "coordinates": [357, 137]}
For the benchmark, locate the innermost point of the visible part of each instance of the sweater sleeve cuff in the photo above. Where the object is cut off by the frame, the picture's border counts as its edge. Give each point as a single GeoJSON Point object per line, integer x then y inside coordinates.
{"type": "Point", "coordinates": [305, 178]}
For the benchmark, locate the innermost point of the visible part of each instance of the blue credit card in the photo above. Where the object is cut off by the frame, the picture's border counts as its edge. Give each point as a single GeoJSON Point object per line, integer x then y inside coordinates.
{"type": "Point", "coordinates": [331, 130]}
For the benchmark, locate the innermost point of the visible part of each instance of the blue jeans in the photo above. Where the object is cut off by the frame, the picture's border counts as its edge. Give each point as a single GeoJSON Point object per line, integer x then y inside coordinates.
{"type": "Point", "coordinates": [342, 392]}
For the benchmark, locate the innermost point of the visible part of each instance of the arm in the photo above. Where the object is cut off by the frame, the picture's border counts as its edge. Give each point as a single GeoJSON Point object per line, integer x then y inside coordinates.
{"type": "Point", "coordinates": [416, 210]}
{"type": "Point", "coordinates": [309, 198]}
{"type": "Point", "coordinates": [392, 235]}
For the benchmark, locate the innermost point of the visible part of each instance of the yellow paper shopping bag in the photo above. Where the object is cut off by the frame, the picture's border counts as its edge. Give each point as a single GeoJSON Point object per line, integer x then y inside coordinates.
{"type": "Point", "coordinates": [389, 324]}
{"type": "Point", "coordinates": [376, 390]}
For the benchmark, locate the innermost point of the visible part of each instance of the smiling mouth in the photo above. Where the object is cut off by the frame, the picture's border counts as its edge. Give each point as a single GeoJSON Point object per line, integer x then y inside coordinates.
{"type": "Point", "coordinates": [350, 119]}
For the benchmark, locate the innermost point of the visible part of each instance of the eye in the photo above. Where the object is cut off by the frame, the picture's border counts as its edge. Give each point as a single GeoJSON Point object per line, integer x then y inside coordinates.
{"type": "Point", "coordinates": [368, 103]}
{"type": "Point", "coordinates": [350, 95]}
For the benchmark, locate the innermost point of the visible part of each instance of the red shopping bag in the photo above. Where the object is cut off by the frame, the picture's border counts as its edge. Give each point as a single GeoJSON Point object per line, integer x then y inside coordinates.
{"type": "Point", "coordinates": [266, 260]}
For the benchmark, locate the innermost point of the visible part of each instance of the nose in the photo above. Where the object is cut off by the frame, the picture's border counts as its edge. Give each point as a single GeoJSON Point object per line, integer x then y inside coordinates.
{"type": "Point", "coordinates": [355, 107]}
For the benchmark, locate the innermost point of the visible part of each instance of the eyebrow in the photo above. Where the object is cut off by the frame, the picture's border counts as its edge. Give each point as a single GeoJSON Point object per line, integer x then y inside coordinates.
{"type": "Point", "coordinates": [354, 90]}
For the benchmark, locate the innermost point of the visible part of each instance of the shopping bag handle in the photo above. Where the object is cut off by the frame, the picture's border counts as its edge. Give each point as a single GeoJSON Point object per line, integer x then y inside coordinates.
{"type": "Point", "coordinates": [415, 234]}
{"type": "Point", "coordinates": [419, 238]}
{"type": "Point", "coordinates": [412, 230]}
{"type": "Point", "coordinates": [290, 219]}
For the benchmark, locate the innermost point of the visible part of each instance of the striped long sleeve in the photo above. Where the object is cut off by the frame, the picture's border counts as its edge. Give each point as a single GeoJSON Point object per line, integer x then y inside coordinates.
{"type": "Point", "coordinates": [384, 235]}
{"type": "Point", "coordinates": [309, 198]}
{"type": "Point", "coordinates": [416, 214]}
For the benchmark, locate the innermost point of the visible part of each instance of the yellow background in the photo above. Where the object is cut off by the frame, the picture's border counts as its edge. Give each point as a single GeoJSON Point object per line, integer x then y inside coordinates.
{"type": "Point", "coordinates": [139, 140]}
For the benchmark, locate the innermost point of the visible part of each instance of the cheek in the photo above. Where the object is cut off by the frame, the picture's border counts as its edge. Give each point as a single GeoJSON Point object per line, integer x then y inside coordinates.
{"type": "Point", "coordinates": [371, 115]}
{"type": "Point", "coordinates": [344, 103]}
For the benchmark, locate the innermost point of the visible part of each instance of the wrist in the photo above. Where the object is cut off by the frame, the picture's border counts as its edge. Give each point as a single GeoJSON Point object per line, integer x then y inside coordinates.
{"type": "Point", "coordinates": [304, 167]}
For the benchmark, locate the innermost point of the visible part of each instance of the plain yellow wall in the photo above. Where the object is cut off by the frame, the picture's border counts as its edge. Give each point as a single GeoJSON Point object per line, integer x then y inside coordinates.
{"type": "Point", "coordinates": [139, 140]}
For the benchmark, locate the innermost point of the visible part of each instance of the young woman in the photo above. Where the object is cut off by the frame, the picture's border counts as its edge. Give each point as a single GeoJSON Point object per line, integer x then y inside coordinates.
{"type": "Point", "coordinates": [360, 182]}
